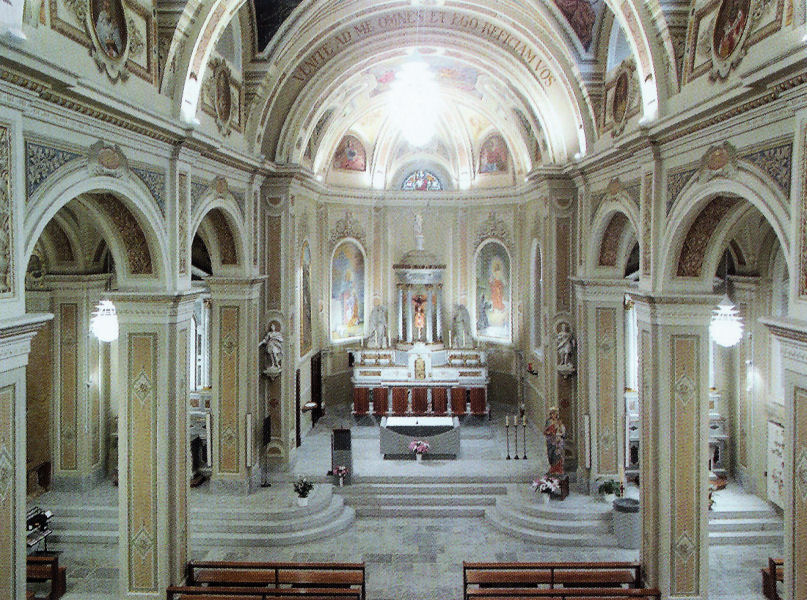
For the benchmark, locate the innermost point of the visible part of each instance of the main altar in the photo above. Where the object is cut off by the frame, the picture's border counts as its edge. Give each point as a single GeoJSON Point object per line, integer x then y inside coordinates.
{"type": "Point", "coordinates": [417, 373]}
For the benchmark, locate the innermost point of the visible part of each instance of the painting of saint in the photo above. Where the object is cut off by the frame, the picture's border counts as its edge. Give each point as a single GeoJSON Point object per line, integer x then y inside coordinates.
{"type": "Point", "coordinates": [620, 105]}
{"type": "Point", "coordinates": [493, 291]}
{"type": "Point", "coordinates": [732, 17]}
{"type": "Point", "coordinates": [350, 155]}
{"type": "Point", "coordinates": [305, 300]}
{"type": "Point", "coordinates": [109, 24]}
{"type": "Point", "coordinates": [581, 16]}
{"type": "Point", "coordinates": [223, 95]}
{"type": "Point", "coordinates": [347, 292]}
{"type": "Point", "coordinates": [494, 157]}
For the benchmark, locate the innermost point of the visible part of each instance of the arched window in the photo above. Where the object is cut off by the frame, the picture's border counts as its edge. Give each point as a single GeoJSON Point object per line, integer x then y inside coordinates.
{"type": "Point", "coordinates": [422, 181]}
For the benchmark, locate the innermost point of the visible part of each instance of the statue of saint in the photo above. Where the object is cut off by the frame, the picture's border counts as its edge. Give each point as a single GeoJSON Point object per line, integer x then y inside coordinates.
{"type": "Point", "coordinates": [555, 434]}
{"type": "Point", "coordinates": [274, 346]}
{"type": "Point", "coordinates": [565, 346]}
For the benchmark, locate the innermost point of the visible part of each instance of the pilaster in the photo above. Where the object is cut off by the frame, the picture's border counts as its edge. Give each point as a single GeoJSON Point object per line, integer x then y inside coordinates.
{"type": "Point", "coordinates": [674, 407]}
{"type": "Point", "coordinates": [15, 345]}
{"type": "Point", "coordinates": [152, 388]}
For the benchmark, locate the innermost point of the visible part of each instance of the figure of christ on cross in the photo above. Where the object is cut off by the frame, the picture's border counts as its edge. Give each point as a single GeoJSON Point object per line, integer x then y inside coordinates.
{"type": "Point", "coordinates": [420, 314]}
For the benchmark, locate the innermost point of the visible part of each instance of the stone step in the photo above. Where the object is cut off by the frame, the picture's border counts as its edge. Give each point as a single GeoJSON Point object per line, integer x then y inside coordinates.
{"type": "Point", "coordinates": [549, 525]}
{"type": "Point", "coordinates": [418, 500]}
{"type": "Point", "coordinates": [84, 523]}
{"type": "Point", "coordinates": [501, 522]}
{"type": "Point", "coordinates": [430, 489]}
{"type": "Point", "coordinates": [737, 525]}
{"type": "Point", "coordinates": [424, 479]}
{"type": "Point", "coordinates": [83, 511]}
{"type": "Point", "coordinates": [416, 512]}
{"type": "Point", "coordinates": [726, 515]}
{"type": "Point", "coordinates": [734, 538]}
{"type": "Point", "coordinates": [559, 511]}
{"type": "Point", "coordinates": [83, 536]}
{"type": "Point", "coordinates": [260, 539]}
{"type": "Point", "coordinates": [252, 522]}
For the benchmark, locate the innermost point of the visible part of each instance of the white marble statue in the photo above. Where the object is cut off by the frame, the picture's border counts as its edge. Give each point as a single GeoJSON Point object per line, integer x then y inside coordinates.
{"type": "Point", "coordinates": [274, 346]}
{"type": "Point", "coordinates": [461, 327]}
{"type": "Point", "coordinates": [378, 327]}
{"type": "Point", "coordinates": [565, 346]}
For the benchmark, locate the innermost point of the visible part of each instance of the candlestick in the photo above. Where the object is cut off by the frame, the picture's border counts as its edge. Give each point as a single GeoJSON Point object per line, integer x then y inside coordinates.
{"type": "Point", "coordinates": [507, 421]}
{"type": "Point", "coordinates": [507, 435]}
{"type": "Point", "coordinates": [524, 435]}
{"type": "Point", "coordinates": [449, 338]}
{"type": "Point", "coordinates": [524, 420]}
{"type": "Point", "coordinates": [515, 423]}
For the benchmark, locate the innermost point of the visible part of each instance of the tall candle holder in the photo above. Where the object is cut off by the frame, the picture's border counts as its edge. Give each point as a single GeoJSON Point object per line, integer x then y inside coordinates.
{"type": "Point", "coordinates": [515, 422]}
{"type": "Point", "coordinates": [507, 434]}
{"type": "Point", "coordinates": [524, 435]}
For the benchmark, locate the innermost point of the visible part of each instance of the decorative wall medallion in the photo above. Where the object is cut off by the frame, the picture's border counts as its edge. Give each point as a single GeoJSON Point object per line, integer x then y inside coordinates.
{"type": "Point", "coordinates": [142, 542]}
{"type": "Point", "coordinates": [107, 25]}
{"type": "Point", "coordinates": [106, 160]}
{"type": "Point", "coordinates": [220, 94]}
{"type": "Point", "coordinates": [719, 161]}
{"type": "Point", "coordinates": [141, 388]}
{"type": "Point", "coordinates": [800, 471]}
{"type": "Point", "coordinates": [684, 547]}
{"type": "Point", "coordinates": [620, 102]}
{"type": "Point", "coordinates": [734, 21]}
{"type": "Point", "coordinates": [684, 390]}
{"type": "Point", "coordinates": [6, 223]}
{"type": "Point", "coordinates": [220, 185]}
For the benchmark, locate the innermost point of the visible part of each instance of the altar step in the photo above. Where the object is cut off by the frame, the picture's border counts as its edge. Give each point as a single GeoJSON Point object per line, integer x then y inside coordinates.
{"type": "Point", "coordinates": [570, 523]}
{"type": "Point", "coordinates": [83, 524]}
{"type": "Point", "coordinates": [745, 527]}
{"type": "Point", "coordinates": [424, 500]}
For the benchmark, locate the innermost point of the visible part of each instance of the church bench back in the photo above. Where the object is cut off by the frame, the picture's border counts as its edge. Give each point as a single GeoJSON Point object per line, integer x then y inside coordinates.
{"type": "Point", "coordinates": [513, 593]}
{"type": "Point", "coordinates": [251, 593]}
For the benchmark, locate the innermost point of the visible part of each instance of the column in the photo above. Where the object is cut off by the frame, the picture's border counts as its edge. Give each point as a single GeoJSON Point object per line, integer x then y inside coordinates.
{"type": "Point", "coordinates": [234, 364]}
{"type": "Point", "coordinates": [429, 314]}
{"type": "Point", "coordinates": [410, 315]}
{"type": "Point", "coordinates": [78, 419]}
{"type": "Point", "coordinates": [792, 337]}
{"type": "Point", "coordinates": [15, 344]}
{"type": "Point", "coordinates": [153, 355]}
{"type": "Point", "coordinates": [439, 335]}
{"type": "Point", "coordinates": [674, 408]}
{"type": "Point", "coordinates": [605, 350]}
{"type": "Point", "coordinates": [400, 314]}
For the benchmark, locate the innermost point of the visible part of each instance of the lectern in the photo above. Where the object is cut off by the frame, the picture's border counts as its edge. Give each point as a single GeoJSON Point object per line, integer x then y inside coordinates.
{"type": "Point", "coordinates": [341, 451]}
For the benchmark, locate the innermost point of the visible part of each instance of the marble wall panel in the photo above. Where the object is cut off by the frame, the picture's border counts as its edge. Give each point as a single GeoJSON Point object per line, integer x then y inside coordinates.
{"type": "Point", "coordinates": [68, 386]}
{"type": "Point", "coordinates": [800, 493]}
{"type": "Point", "coordinates": [606, 373]}
{"type": "Point", "coordinates": [228, 390]}
{"type": "Point", "coordinates": [8, 504]}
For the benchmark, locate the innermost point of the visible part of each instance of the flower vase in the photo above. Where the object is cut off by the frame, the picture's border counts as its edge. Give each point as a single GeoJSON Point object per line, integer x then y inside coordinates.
{"type": "Point", "coordinates": [341, 481]}
{"type": "Point", "coordinates": [302, 501]}
{"type": "Point", "coordinates": [544, 498]}
{"type": "Point", "coordinates": [418, 457]}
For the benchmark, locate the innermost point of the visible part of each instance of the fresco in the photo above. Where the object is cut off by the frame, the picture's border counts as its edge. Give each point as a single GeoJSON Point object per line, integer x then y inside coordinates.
{"type": "Point", "coordinates": [305, 300]}
{"type": "Point", "coordinates": [422, 181]}
{"type": "Point", "coordinates": [581, 15]}
{"type": "Point", "coordinates": [350, 155]}
{"type": "Point", "coordinates": [732, 17]}
{"type": "Point", "coordinates": [347, 292]}
{"type": "Point", "coordinates": [109, 24]}
{"type": "Point", "coordinates": [493, 292]}
{"type": "Point", "coordinates": [494, 156]}
{"type": "Point", "coordinates": [448, 72]}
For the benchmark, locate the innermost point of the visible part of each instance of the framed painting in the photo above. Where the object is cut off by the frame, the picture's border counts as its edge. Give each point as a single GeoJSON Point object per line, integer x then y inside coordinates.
{"type": "Point", "coordinates": [347, 292]}
{"type": "Point", "coordinates": [350, 155]}
{"type": "Point", "coordinates": [493, 291]}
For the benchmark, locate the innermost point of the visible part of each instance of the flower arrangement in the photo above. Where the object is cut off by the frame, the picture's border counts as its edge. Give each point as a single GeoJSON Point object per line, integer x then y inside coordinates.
{"type": "Point", "coordinates": [340, 471]}
{"type": "Point", "coordinates": [303, 487]}
{"type": "Point", "coordinates": [546, 485]}
{"type": "Point", "coordinates": [419, 446]}
{"type": "Point", "coordinates": [610, 487]}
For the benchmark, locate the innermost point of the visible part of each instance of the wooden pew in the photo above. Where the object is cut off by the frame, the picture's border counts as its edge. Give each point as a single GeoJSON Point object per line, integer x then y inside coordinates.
{"type": "Point", "coordinates": [343, 576]}
{"type": "Point", "coordinates": [40, 568]}
{"type": "Point", "coordinates": [480, 578]}
{"type": "Point", "coordinates": [570, 594]}
{"type": "Point", "coordinates": [252, 593]}
{"type": "Point", "coordinates": [774, 572]}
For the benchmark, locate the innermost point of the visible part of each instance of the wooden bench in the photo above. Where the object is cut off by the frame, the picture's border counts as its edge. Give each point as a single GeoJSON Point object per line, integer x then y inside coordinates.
{"type": "Point", "coordinates": [344, 576]}
{"type": "Point", "coordinates": [571, 593]}
{"type": "Point", "coordinates": [256, 593]}
{"type": "Point", "coordinates": [478, 578]}
{"type": "Point", "coordinates": [41, 568]}
{"type": "Point", "coordinates": [774, 572]}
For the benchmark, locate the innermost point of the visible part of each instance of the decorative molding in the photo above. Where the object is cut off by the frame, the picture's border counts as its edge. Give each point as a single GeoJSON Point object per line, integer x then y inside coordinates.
{"type": "Point", "coordinates": [182, 223]}
{"type": "Point", "coordinates": [676, 181]}
{"type": "Point", "coordinates": [198, 190]}
{"type": "Point", "coordinates": [241, 200]}
{"type": "Point", "coordinates": [155, 182]}
{"type": "Point", "coordinates": [106, 160]}
{"type": "Point", "coordinates": [776, 162]}
{"type": "Point", "coordinates": [6, 216]}
{"type": "Point", "coordinates": [302, 228]}
{"type": "Point", "coordinates": [693, 250]}
{"type": "Point", "coordinates": [493, 228]}
{"type": "Point", "coordinates": [647, 226]}
{"type": "Point", "coordinates": [41, 162]}
{"type": "Point", "coordinates": [718, 161]}
{"type": "Point", "coordinates": [133, 239]}
{"type": "Point", "coordinates": [347, 227]}
{"type": "Point", "coordinates": [228, 252]}
{"type": "Point", "coordinates": [611, 239]}
{"type": "Point", "coordinates": [802, 219]}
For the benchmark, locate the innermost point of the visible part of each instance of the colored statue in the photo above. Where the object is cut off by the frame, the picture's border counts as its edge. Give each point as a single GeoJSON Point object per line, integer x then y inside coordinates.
{"type": "Point", "coordinates": [555, 434]}
{"type": "Point", "coordinates": [497, 285]}
{"type": "Point", "coordinates": [420, 314]}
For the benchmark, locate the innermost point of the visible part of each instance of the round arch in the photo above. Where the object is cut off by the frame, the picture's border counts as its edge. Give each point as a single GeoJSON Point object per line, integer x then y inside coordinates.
{"type": "Point", "coordinates": [603, 223]}
{"type": "Point", "coordinates": [227, 217]}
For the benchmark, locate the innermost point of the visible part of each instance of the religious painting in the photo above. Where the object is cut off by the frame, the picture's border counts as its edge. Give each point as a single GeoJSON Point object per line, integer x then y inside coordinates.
{"type": "Point", "coordinates": [581, 17]}
{"type": "Point", "coordinates": [493, 291]}
{"type": "Point", "coordinates": [422, 181]}
{"type": "Point", "coordinates": [350, 155]}
{"type": "Point", "coordinates": [109, 26]}
{"type": "Point", "coordinates": [347, 292]}
{"type": "Point", "coordinates": [620, 101]}
{"type": "Point", "coordinates": [730, 23]}
{"type": "Point", "coordinates": [494, 156]}
{"type": "Point", "coordinates": [305, 300]}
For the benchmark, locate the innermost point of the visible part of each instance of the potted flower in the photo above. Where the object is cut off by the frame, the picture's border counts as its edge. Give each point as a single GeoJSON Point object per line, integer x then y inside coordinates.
{"type": "Point", "coordinates": [303, 487]}
{"type": "Point", "coordinates": [609, 490]}
{"type": "Point", "coordinates": [419, 448]}
{"type": "Point", "coordinates": [341, 472]}
{"type": "Point", "coordinates": [546, 486]}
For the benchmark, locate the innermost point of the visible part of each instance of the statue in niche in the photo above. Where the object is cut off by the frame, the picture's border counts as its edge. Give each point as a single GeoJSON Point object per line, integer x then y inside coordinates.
{"type": "Point", "coordinates": [555, 434]}
{"type": "Point", "coordinates": [565, 345]}
{"type": "Point", "coordinates": [274, 346]}
{"type": "Point", "coordinates": [378, 327]}
{"type": "Point", "coordinates": [461, 326]}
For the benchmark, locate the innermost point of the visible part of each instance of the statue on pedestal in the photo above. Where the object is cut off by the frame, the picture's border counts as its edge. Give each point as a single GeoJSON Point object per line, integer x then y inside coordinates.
{"type": "Point", "coordinates": [555, 434]}
{"type": "Point", "coordinates": [461, 327]}
{"type": "Point", "coordinates": [378, 327]}
{"type": "Point", "coordinates": [274, 350]}
{"type": "Point", "coordinates": [565, 347]}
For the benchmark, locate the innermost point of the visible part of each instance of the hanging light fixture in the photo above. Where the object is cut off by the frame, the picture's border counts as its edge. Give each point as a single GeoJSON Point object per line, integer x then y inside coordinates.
{"type": "Point", "coordinates": [104, 321]}
{"type": "Point", "coordinates": [726, 328]}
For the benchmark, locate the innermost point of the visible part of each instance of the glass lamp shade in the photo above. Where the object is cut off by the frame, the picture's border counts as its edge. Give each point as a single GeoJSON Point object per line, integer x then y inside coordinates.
{"type": "Point", "coordinates": [726, 327]}
{"type": "Point", "coordinates": [104, 321]}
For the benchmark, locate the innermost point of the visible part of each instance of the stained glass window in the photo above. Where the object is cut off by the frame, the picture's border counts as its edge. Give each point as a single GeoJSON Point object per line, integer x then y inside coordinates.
{"type": "Point", "coordinates": [422, 181]}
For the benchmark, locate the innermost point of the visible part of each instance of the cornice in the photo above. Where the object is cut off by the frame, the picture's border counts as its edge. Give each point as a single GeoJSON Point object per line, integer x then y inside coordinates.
{"type": "Point", "coordinates": [789, 329]}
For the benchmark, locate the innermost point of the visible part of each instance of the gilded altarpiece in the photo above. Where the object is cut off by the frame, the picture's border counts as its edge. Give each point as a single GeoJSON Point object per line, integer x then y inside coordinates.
{"type": "Point", "coordinates": [228, 389]}
{"type": "Point", "coordinates": [141, 462]}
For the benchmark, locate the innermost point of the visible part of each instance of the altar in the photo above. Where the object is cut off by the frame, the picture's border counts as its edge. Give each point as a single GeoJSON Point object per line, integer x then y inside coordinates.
{"type": "Point", "coordinates": [442, 434]}
{"type": "Point", "coordinates": [418, 374]}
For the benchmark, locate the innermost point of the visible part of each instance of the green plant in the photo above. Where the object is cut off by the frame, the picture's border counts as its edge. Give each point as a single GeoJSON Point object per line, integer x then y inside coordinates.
{"type": "Point", "coordinates": [303, 487]}
{"type": "Point", "coordinates": [609, 486]}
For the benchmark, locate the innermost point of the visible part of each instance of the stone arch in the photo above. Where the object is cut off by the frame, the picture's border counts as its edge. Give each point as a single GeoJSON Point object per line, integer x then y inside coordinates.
{"type": "Point", "coordinates": [218, 219]}
{"type": "Point", "coordinates": [126, 213]}
{"type": "Point", "coordinates": [614, 226]}
{"type": "Point", "coordinates": [703, 216]}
